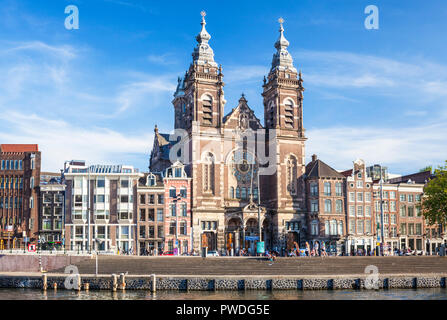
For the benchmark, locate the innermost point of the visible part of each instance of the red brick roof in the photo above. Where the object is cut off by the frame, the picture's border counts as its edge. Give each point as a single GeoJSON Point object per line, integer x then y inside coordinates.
{"type": "Point", "coordinates": [19, 148]}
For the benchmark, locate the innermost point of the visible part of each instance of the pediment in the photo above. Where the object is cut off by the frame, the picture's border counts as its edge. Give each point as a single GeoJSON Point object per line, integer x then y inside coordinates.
{"type": "Point", "coordinates": [242, 118]}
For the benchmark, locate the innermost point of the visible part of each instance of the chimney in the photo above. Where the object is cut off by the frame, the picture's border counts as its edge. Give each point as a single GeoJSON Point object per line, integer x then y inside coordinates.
{"type": "Point", "coordinates": [314, 157]}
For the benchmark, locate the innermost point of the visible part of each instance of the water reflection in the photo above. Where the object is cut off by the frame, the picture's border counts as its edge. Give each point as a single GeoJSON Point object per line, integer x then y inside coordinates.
{"type": "Point", "coordinates": [395, 294]}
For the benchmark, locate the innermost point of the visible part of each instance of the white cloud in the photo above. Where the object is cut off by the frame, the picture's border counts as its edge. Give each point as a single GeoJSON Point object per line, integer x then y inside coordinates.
{"type": "Point", "coordinates": [60, 141]}
{"type": "Point", "coordinates": [408, 148]}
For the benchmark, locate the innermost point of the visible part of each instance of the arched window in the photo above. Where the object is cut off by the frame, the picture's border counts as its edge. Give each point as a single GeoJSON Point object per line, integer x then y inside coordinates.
{"type": "Point", "coordinates": [208, 173]}
{"type": "Point", "coordinates": [333, 227]}
{"type": "Point", "coordinates": [288, 113]}
{"type": "Point", "coordinates": [292, 175]}
{"type": "Point", "coordinates": [207, 110]}
{"type": "Point", "coordinates": [327, 206]}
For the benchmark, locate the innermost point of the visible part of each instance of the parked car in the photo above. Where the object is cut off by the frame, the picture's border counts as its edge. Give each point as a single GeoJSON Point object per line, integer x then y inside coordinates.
{"type": "Point", "coordinates": [168, 253]}
{"type": "Point", "coordinates": [212, 254]}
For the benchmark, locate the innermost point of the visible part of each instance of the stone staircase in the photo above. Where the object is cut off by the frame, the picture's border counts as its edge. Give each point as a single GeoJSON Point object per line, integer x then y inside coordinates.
{"type": "Point", "coordinates": [261, 266]}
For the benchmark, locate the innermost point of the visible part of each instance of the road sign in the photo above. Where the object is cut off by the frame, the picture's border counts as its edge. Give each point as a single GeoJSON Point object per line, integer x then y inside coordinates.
{"type": "Point", "coordinates": [31, 248]}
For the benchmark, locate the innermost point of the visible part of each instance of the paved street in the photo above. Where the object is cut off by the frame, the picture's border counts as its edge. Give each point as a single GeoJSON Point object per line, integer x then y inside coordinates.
{"type": "Point", "coordinates": [261, 266]}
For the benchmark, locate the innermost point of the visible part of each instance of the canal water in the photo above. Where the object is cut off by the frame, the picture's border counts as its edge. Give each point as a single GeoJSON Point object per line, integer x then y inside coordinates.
{"type": "Point", "coordinates": [392, 294]}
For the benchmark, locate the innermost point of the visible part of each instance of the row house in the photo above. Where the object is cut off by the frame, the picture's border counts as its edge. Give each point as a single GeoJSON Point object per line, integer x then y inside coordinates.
{"type": "Point", "coordinates": [164, 206]}
{"type": "Point", "coordinates": [360, 219]}
{"type": "Point", "coordinates": [325, 189]}
{"type": "Point", "coordinates": [51, 211]}
{"type": "Point", "coordinates": [100, 207]}
{"type": "Point", "coordinates": [19, 182]}
{"type": "Point", "coordinates": [151, 212]}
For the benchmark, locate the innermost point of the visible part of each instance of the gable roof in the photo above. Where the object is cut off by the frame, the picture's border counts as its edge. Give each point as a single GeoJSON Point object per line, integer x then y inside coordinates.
{"type": "Point", "coordinates": [242, 107]}
{"type": "Point", "coordinates": [319, 169]}
{"type": "Point", "coordinates": [19, 148]}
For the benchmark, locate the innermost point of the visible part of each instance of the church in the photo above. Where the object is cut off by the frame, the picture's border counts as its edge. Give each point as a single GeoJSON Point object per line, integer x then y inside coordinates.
{"type": "Point", "coordinates": [247, 176]}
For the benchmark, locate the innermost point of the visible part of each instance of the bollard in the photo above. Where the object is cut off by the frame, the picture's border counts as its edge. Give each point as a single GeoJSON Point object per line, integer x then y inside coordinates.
{"type": "Point", "coordinates": [44, 282]}
{"type": "Point", "coordinates": [55, 286]}
{"type": "Point", "coordinates": [114, 282]}
{"type": "Point", "coordinates": [78, 283]}
{"type": "Point", "coordinates": [86, 286]}
{"type": "Point", "coordinates": [122, 281]}
{"type": "Point", "coordinates": [154, 283]}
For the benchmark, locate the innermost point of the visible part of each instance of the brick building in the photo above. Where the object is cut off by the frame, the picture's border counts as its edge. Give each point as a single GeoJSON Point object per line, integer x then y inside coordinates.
{"type": "Point", "coordinates": [151, 212]}
{"type": "Point", "coordinates": [359, 217]}
{"type": "Point", "coordinates": [326, 217]}
{"type": "Point", "coordinates": [19, 182]}
{"type": "Point", "coordinates": [51, 211]}
{"type": "Point", "coordinates": [224, 167]}
{"type": "Point", "coordinates": [106, 193]}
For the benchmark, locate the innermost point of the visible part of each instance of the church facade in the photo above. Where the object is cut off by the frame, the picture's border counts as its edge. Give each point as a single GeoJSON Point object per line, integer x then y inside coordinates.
{"type": "Point", "coordinates": [247, 176]}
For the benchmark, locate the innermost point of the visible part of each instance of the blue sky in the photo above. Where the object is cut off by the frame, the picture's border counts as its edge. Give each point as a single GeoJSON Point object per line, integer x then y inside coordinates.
{"type": "Point", "coordinates": [97, 92]}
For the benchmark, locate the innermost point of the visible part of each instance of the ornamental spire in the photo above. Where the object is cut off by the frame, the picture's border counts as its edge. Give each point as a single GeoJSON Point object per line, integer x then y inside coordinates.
{"type": "Point", "coordinates": [282, 59]}
{"type": "Point", "coordinates": [203, 54]}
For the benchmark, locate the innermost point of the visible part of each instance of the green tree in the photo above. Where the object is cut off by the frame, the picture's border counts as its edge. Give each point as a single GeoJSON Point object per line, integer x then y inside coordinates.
{"type": "Point", "coordinates": [434, 204]}
{"type": "Point", "coordinates": [427, 168]}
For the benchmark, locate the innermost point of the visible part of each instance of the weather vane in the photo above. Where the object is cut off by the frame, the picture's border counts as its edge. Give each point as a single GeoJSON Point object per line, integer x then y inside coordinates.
{"type": "Point", "coordinates": [203, 13]}
{"type": "Point", "coordinates": [281, 20]}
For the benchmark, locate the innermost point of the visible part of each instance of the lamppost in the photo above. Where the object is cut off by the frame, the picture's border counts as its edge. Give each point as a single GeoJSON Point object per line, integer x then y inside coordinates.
{"type": "Point", "coordinates": [179, 197]}
{"type": "Point", "coordinates": [382, 240]}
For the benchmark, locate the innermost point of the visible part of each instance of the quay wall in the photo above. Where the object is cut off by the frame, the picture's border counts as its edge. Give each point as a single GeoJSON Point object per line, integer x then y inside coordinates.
{"type": "Point", "coordinates": [34, 262]}
{"type": "Point", "coordinates": [212, 283]}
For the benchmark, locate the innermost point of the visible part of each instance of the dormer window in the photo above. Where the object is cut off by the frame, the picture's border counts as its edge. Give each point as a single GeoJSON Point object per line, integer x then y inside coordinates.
{"type": "Point", "coordinates": [151, 181]}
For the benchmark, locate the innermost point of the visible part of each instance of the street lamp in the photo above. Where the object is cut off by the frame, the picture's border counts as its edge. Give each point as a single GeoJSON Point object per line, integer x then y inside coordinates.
{"type": "Point", "coordinates": [179, 197]}
{"type": "Point", "coordinates": [381, 209]}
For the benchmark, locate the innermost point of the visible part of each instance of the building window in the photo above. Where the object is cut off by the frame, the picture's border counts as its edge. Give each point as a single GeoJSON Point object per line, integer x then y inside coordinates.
{"type": "Point", "coordinates": [359, 184]}
{"type": "Point", "coordinates": [403, 229]}
{"type": "Point", "coordinates": [151, 199]}
{"type": "Point", "coordinates": [124, 199]}
{"type": "Point", "coordinates": [292, 175]}
{"type": "Point", "coordinates": [351, 226]}
{"type": "Point", "coordinates": [142, 199]}
{"type": "Point", "coordinates": [367, 196]}
{"type": "Point", "coordinates": [327, 206]}
{"type": "Point", "coordinates": [326, 228]}
{"type": "Point", "coordinates": [124, 183]}
{"type": "Point", "coordinates": [173, 209]}
{"type": "Point", "coordinates": [314, 189]}
{"type": "Point", "coordinates": [142, 231]}
{"type": "Point", "coordinates": [411, 229]}
{"type": "Point", "coordinates": [339, 189]}
{"type": "Point", "coordinates": [159, 214]}
{"type": "Point", "coordinates": [339, 206]}
{"type": "Point", "coordinates": [410, 211]}
{"type": "Point", "coordinates": [327, 189]}
{"type": "Point", "coordinates": [351, 197]}
{"type": "Point", "coordinates": [160, 199]}
{"type": "Point", "coordinates": [208, 173]}
{"type": "Point", "coordinates": [172, 228]}
{"type": "Point", "coordinates": [360, 225]}
{"type": "Point", "coordinates": [207, 110]}
{"type": "Point", "coordinates": [352, 211]}
{"type": "Point", "coordinates": [142, 214]}
{"type": "Point", "coordinates": [367, 226]}
{"type": "Point", "coordinates": [232, 193]}
{"type": "Point", "coordinates": [314, 227]}
{"type": "Point", "coordinates": [393, 219]}
{"type": "Point", "coordinates": [314, 206]}
{"type": "Point", "coordinates": [410, 198]}
{"type": "Point", "coordinates": [367, 211]}
{"type": "Point", "coordinates": [403, 197]}
{"type": "Point", "coordinates": [183, 228]}
{"type": "Point", "coordinates": [183, 192]}
{"type": "Point", "coordinates": [403, 211]}
{"type": "Point", "coordinates": [151, 215]}
{"type": "Point", "coordinates": [360, 196]}
{"type": "Point", "coordinates": [392, 206]}
{"type": "Point", "coordinates": [173, 193]}
{"type": "Point", "coordinates": [359, 211]}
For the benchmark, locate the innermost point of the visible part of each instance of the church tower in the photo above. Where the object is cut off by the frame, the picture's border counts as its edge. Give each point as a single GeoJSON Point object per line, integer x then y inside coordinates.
{"type": "Point", "coordinates": [199, 98]}
{"type": "Point", "coordinates": [283, 116]}
{"type": "Point", "coordinates": [199, 109]}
